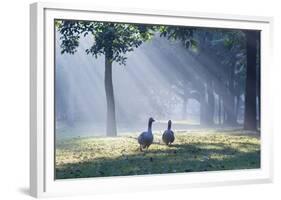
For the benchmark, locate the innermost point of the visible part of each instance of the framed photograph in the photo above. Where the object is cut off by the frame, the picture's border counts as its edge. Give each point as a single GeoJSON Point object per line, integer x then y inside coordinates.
{"type": "Point", "coordinates": [130, 100]}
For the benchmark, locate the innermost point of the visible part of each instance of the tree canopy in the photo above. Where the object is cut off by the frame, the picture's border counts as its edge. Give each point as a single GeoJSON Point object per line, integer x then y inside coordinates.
{"type": "Point", "coordinates": [111, 39]}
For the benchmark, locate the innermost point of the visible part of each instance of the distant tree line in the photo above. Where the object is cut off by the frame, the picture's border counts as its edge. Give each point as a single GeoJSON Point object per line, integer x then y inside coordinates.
{"type": "Point", "coordinates": [228, 77]}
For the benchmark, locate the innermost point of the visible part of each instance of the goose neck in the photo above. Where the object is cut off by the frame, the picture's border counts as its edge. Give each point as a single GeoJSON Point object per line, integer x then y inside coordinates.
{"type": "Point", "coordinates": [169, 126]}
{"type": "Point", "coordinates": [149, 126]}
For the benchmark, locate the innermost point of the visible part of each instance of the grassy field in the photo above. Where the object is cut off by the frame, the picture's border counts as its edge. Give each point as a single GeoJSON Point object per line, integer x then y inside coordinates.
{"type": "Point", "coordinates": [191, 152]}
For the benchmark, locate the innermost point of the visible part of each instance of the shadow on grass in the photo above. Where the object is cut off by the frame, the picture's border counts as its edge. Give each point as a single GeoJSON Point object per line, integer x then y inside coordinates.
{"type": "Point", "coordinates": [178, 158]}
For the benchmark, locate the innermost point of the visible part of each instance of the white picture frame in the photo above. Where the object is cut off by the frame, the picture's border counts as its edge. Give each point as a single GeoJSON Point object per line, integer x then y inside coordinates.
{"type": "Point", "coordinates": [42, 182]}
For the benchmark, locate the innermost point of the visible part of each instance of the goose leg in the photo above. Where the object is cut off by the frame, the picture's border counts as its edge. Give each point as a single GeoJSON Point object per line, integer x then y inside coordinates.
{"type": "Point", "coordinates": [147, 147]}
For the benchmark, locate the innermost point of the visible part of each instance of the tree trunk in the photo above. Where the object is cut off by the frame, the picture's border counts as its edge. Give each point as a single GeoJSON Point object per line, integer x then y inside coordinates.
{"type": "Point", "coordinates": [225, 106]}
{"type": "Point", "coordinates": [219, 110]}
{"type": "Point", "coordinates": [211, 104]}
{"type": "Point", "coordinates": [237, 107]}
{"type": "Point", "coordinates": [111, 129]}
{"type": "Point", "coordinates": [203, 110]}
{"type": "Point", "coordinates": [230, 99]}
{"type": "Point", "coordinates": [184, 106]}
{"type": "Point", "coordinates": [250, 121]}
{"type": "Point", "coordinates": [258, 85]}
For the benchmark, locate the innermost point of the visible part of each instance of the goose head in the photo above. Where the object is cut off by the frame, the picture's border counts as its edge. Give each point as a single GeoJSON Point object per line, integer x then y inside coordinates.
{"type": "Point", "coordinates": [150, 120]}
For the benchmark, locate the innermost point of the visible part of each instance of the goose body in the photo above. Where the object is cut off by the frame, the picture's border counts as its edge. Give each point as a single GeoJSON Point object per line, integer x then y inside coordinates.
{"type": "Point", "coordinates": [168, 136]}
{"type": "Point", "coordinates": [145, 139]}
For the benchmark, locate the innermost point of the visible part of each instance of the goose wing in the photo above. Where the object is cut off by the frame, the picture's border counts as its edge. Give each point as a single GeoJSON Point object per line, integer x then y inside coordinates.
{"type": "Point", "coordinates": [165, 137]}
{"type": "Point", "coordinates": [172, 137]}
{"type": "Point", "coordinates": [141, 138]}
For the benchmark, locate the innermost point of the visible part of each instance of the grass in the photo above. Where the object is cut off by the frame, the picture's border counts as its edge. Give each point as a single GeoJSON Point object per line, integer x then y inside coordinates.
{"type": "Point", "coordinates": [191, 152]}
